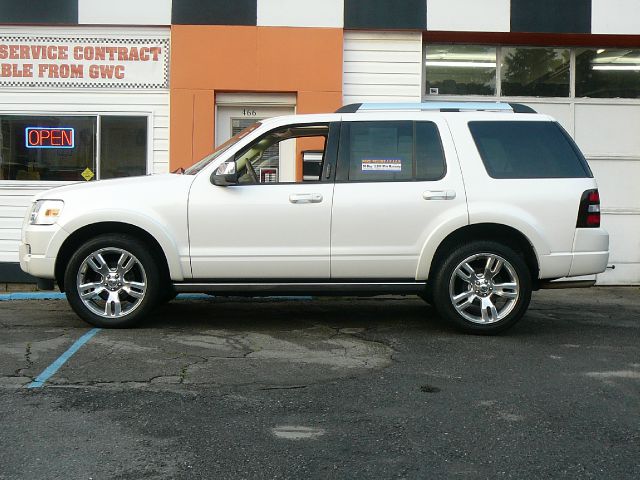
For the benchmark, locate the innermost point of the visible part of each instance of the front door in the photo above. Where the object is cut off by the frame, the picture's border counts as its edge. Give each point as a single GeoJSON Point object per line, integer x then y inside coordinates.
{"type": "Point", "coordinates": [264, 227]}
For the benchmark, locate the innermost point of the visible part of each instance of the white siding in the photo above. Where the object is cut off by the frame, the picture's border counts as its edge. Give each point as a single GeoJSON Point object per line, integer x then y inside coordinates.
{"type": "Point", "coordinates": [382, 67]}
{"type": "Point", "coordinates": [15, 196]}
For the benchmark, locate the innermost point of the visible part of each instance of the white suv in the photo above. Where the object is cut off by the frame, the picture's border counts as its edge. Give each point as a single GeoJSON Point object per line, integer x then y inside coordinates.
{"type": "Point", "coordinates": [469, 205]}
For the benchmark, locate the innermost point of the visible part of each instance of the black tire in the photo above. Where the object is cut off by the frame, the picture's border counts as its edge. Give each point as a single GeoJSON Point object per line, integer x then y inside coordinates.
{"type": "Point", "coordinates": [476, 291]}
{"type": "Point", "coordinates": [168, 294]}
{"type": "Point", "coordinates": [144, 271]}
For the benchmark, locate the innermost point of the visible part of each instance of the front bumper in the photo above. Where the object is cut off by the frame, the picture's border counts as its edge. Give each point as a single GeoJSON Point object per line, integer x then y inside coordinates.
{"type": "Point", "coordinates": [39, 248]}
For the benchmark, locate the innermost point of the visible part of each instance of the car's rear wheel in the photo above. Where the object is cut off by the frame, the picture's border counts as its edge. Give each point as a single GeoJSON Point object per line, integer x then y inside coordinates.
{"type": "Point", "coordinates": [113, 281]}
{"type": "Point", "coordinates": [482, 287]}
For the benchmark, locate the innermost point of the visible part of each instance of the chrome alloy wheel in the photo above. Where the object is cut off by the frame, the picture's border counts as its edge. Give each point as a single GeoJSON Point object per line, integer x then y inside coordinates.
{"type": "Point", "coordinates": [111, 282]}
{"type": "Point", "coordinates": [484, 288]}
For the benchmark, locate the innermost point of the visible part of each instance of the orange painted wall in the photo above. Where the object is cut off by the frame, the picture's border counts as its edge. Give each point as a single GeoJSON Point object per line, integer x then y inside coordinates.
{"type": "Point", "coordinates": [210, 59]}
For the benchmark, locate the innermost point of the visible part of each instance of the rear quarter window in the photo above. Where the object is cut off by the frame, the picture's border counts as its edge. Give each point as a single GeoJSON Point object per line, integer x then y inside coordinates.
{"type": "Point", "coordinates": [528, 150]}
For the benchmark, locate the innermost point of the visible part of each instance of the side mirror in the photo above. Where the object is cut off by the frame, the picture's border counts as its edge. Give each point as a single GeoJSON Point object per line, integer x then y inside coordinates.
{"type": "Point", "coordinates": [225, 175]}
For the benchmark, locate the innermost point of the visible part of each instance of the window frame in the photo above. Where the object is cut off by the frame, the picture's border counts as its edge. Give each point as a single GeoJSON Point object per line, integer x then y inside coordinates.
{"type": "Point", "coordinates": [329, 159]}
{"type": "Point", "coordinates": [498, 95]}
{"type": "Point", "coordinates": [98, 116]}
{"type": "Point", "coordinates": [344, 161]}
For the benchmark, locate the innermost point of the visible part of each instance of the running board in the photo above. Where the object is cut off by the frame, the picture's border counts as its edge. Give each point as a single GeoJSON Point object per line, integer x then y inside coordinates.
{"type": "Point", "coordinates": [567, 284]}
{"type": "Point", "coordinates": [302, 288]}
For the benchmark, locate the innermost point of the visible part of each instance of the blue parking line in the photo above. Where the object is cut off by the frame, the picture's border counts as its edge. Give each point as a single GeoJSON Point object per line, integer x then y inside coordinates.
{"type": "Point", "coordinates": [55, 366]}
{"type": "Point", "coordinates": [31, 296]}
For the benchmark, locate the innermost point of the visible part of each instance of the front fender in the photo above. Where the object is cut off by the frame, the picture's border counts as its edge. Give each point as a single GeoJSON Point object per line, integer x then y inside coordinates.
{"type": "Point", "coordinates": [152, 226]}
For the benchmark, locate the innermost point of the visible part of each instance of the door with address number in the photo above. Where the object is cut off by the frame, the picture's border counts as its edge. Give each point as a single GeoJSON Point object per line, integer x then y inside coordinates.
{"type": "Point", "coordinates": [233, 119]}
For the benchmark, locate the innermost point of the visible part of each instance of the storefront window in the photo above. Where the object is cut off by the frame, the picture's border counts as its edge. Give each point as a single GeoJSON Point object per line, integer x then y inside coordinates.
{"type": "Point", "coordinates": [46, 147]}
{"type": "Point", "coordinates": [123, 146]}
{"type": "Point", "coordinates": [535, 72]}
{"type": "Point", "coordinates": [607, 73]}
{"type": "Point", "coordinates": [460, 70]}
{"type": "Point", "coordinates": [63, 148]}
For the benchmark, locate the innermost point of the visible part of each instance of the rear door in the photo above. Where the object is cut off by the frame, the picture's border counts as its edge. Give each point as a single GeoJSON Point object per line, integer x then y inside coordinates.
{"type": "Point", "coordinates": [397, 180]}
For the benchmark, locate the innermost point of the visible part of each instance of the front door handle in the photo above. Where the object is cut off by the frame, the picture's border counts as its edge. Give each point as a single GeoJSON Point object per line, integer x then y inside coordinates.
{"type": "Point", "coordinates": [439, 194]}
{"type": "Point", "coordinates": [305, 198]}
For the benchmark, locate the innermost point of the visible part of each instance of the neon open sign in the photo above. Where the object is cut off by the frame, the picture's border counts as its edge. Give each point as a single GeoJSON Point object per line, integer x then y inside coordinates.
{"type": "Point", "coordinates": [50, 137]}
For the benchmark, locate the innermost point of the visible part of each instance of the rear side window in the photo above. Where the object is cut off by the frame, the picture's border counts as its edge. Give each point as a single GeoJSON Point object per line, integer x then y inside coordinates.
{"type": "Point", "coordinates": [528, 150]}
{"type": "Point", "coordinates": [390, 151]}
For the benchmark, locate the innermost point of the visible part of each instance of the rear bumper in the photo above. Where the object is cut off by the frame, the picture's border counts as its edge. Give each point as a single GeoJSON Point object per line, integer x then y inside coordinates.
{"type": "Point", "coordinates": [590, 255]}
{"type": "Point", "coordinates": [590, 252]}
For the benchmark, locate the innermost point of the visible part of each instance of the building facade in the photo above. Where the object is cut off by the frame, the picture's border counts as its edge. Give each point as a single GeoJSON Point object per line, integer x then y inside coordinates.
{"type": "Point", "coordinates": [153, 85]}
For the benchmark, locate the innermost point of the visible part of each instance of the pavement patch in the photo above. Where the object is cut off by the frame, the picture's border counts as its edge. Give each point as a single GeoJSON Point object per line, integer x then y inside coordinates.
{"type": "Point", "coordinates": [629, 374]}
{"type": "Point", "coordinates": [297, 432]}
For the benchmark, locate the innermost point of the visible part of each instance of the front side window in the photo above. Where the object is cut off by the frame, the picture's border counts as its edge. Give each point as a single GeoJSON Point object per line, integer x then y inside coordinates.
{"type": "Point", "coordinates": [535, 72]}
{"type": "Point", "coordinates": [277, 156]}
{"type": "Point", "coordinates": [390, 151]}
{"type": "Point", "coordinates": [237, 136]}
{"type": "Point", "coordinates": [460, 70]}
{"type": "Point", "coordinates": [529, 149]}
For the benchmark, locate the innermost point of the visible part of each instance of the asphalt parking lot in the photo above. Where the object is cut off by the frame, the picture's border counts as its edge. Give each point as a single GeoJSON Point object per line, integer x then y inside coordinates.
{"type": "Point", "coordinates": [324, 388]}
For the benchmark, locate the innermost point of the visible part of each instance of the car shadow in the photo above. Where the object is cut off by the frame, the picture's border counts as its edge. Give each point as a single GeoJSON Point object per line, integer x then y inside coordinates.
{"type": "Point", "coordinates": [290, 313]}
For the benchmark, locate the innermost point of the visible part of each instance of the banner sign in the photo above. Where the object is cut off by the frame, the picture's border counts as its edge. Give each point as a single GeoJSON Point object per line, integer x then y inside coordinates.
{"type": "Point", "coordinates": [84, 62]}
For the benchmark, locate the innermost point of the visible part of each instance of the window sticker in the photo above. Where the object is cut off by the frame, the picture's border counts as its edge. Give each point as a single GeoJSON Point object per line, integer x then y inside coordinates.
{"type": "Point", "coordinates": [382, 165]}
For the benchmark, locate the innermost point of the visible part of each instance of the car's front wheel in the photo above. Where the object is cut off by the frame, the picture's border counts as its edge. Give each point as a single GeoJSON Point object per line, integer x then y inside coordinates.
{"type": "Point", "coordinates": [113, 281]}
{"type": "Point", "coordinates": [482, 287]}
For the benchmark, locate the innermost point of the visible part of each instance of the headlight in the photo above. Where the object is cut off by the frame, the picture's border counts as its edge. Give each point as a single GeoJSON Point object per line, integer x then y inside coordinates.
{"type": "Point", "coordinates": [46, 212]}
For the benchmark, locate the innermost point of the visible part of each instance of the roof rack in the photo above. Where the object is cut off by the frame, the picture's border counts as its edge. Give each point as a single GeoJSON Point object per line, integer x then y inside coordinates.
{"type": "Point", "coordinates": [438, 106]}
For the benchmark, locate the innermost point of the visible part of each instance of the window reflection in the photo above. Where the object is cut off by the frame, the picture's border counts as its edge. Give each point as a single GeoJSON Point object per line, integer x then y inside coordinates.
{"type": "Point", "coordinates": [607, 73]}
{"type": "Point", "coordinates": [535, 72]}
{"type": "Point", "coordinates": [460, 70]}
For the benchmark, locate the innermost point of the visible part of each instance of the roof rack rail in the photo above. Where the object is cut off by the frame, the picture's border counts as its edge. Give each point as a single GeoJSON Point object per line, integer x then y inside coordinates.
{"type": "Point", "coordinates": [439, 106]}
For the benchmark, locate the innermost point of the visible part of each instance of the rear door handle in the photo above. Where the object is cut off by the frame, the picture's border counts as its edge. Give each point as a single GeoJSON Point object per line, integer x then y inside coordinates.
{"type": "Point", "coordinates": [305, 198]}
{"type": "Point", "coordinates": [439, 194]}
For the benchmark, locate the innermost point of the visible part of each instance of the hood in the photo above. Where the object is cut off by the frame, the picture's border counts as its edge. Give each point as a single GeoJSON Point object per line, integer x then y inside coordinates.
{"type": "Point", "coordinates": [121, 188]}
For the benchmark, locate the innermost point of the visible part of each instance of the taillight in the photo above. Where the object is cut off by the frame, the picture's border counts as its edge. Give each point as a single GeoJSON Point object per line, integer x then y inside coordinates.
{"type": "Point", "coordinates": [589, 213]}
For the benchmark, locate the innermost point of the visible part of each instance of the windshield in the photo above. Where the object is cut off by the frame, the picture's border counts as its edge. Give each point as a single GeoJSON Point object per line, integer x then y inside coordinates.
{"type": "Point", "coordinates": [193, 169]}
